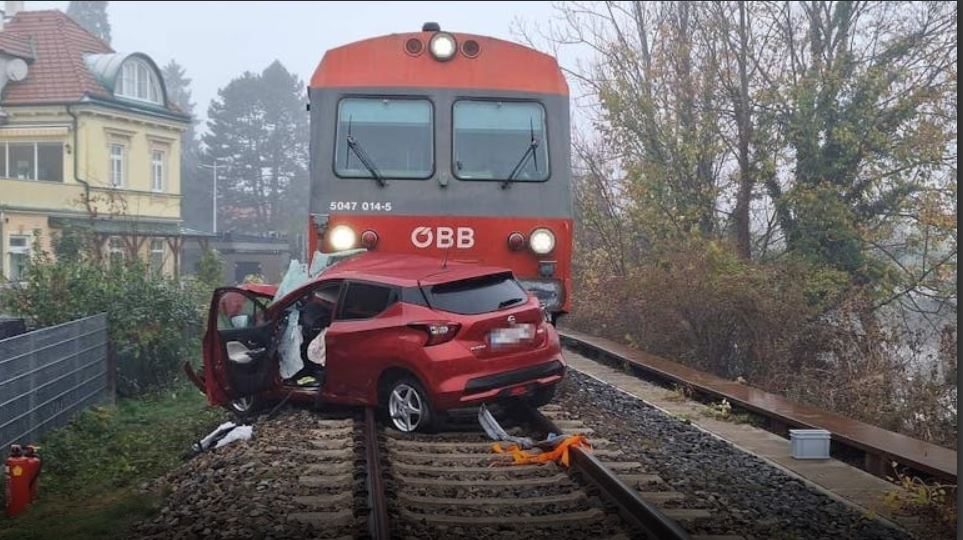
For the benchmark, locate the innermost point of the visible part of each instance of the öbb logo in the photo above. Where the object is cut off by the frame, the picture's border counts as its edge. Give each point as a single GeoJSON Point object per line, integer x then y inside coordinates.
{"type": "Point", "coordinates": [443, 237]}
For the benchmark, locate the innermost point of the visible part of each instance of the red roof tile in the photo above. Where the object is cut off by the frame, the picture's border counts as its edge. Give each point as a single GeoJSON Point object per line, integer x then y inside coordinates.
{"type": "Point", "coordinates": [15, 46]}
{"type": "Point", "coordinates": [58, 72]}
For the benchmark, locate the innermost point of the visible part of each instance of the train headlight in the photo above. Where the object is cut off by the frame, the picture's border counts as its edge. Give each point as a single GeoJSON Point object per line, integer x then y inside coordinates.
{"type": "Point", "coordinates": [542, 241]}
{"type": "Point", "coordinates": [442, 46]}
{"type": "Point", "coordinates": [342, 237]}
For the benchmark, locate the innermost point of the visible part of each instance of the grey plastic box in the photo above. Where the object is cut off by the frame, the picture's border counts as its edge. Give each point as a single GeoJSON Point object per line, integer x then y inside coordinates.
{"type": "Point", "coordinates": [809, 443]}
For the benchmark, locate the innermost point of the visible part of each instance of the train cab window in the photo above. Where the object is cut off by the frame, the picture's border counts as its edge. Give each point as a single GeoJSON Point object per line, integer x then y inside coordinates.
{"type": "Point", "coordinates": [386, 137]}
{"type": "Point", "coordinates": [500, 140]}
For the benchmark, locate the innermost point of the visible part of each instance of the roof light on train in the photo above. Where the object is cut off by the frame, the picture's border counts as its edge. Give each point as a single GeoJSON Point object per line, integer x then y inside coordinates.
{"type": "Point", "coordinates": [542, 241]}
{"type": "Point", "coordinates": [414, 46]}
{"type": "Point", "coordinates": [470, 48]}
{"type": "Point", "coordinates": [443, 46]}
{"type": "Point", "coordinates": [342, 237]}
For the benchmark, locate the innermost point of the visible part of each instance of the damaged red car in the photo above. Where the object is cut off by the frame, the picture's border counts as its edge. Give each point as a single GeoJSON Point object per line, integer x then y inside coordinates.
{"type": "Point", "coordinates": [413, 336]}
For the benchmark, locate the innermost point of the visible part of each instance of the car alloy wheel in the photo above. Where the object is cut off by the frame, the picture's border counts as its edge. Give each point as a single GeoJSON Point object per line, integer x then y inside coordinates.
{"type": "Point", "coordinates": [406, 407]}
{"type": "Point", "coordinates": [243, 405]}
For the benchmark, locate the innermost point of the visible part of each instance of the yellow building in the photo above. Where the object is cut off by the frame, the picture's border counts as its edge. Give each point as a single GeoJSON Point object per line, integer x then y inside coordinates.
{"type": "Point", "coordinates": [89, 140]}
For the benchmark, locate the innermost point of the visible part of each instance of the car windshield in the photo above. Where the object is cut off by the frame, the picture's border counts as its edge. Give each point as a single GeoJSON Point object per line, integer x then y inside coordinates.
{"type": "Point", "coordinates": [477, 295]}
{"type": "Point", "coordinates": [394, 136]}
{"type": "Point", "coordinates": [494, 138]}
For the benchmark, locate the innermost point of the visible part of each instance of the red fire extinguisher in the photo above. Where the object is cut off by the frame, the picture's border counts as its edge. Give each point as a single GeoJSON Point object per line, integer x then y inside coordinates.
{"type": "Point", "coordinates": [22, 471]}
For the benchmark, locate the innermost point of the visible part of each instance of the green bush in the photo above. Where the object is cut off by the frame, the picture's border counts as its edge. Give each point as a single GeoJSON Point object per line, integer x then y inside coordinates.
{"type": "Point", "coordinates": [154, 321]}
{"type": "Point", "coordinates": [787, 325]}
{"type": "Point", "coordinates": [210, 269]}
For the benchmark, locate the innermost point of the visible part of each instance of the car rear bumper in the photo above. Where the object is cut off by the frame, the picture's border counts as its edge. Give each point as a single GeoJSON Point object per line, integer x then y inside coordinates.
{"type": "Point", "coordinates": [548, 370]}
{"type": "Point", "coordinates": [501, 385]}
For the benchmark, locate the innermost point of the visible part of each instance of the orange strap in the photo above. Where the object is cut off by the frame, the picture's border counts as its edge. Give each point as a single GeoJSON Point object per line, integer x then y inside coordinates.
{"type": "Point", "coordinates": [559, 454]}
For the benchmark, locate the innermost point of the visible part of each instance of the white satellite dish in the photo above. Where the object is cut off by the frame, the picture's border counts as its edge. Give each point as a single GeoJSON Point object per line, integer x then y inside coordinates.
{"type": "Point", "coordinates": [16, 69]}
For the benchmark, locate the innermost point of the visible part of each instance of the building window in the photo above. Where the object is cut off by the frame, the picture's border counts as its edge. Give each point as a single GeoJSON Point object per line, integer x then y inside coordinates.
{"type": "Point", "coordinates": [32, 161]}
{"type": "Point", "coordinates": [157, 170]}
{"type": "Point", "coordinates": [157, 255]}
{"type": "Point", "coordinates": [50, 161]}
{"type": "Point", "coordinates": [139, 81]}
{"type": "Point", "coordinates": [116, 165]}
{"type": "Point", "coordinates": [116, 250]}
{"type": "Point", "coordinates": [19, 256]}
{"type": "Point", "coordinates": [22, 162]}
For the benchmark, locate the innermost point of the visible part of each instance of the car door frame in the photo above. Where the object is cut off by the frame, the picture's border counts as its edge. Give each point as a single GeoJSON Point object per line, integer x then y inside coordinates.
{"type": "Point", "coordinates": [217, 378]}
{"type": "Point", "coordinates": [356, 388]}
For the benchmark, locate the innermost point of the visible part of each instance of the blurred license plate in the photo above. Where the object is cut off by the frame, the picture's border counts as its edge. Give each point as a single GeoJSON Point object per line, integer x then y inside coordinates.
{"type": "Point", "coordinates": [509, 336]}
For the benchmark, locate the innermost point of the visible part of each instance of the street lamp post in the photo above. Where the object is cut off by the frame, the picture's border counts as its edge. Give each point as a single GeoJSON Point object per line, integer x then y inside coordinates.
{"type": "Point", "coordinates": [213, 194]}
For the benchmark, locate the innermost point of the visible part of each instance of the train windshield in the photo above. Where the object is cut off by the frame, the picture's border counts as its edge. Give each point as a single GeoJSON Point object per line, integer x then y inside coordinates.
{"type": "Point", "coordinates": [500, 140]}
{"type": "Point", "coordinates": [384, 136]}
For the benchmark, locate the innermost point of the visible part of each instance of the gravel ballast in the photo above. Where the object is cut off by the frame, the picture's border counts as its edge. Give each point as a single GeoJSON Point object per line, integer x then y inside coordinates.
{"type": "Point", "coordinates": [746, 495]}
{"type": "Point", "coordinates": [248, 489]}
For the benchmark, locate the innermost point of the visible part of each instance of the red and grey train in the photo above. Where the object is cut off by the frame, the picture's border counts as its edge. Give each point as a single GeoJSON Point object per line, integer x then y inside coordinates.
{"type": "Point", "coordinates": [445, 144]}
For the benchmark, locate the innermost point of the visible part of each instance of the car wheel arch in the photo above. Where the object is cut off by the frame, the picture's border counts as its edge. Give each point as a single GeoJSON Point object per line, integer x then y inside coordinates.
{"type": "Point", "coordinates": [391, 374]}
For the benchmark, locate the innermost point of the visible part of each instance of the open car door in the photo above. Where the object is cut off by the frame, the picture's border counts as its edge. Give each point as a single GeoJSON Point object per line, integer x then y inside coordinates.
{"type": "Point", "coordinates": [239, 346]}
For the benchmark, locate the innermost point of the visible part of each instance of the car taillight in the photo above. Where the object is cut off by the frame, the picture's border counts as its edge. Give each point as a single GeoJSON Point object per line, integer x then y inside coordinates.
{"type": "Point", "coordinates": [438, 332]}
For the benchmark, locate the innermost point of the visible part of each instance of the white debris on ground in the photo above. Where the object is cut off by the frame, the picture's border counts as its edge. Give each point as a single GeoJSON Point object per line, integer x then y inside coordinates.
{"type": "Point", "coordinates": [225, 433]}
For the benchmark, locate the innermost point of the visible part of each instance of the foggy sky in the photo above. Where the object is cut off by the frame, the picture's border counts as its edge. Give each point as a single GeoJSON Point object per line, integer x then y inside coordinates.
{"type": "Point", "coordinates": [217, 41]}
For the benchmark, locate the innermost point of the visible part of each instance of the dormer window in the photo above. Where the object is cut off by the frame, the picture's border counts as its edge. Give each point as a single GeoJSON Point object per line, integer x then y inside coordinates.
{"type": "Point", "coordinates": [138, 81]}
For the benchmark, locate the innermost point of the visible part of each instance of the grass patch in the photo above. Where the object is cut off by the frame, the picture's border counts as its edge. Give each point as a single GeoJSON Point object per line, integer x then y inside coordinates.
{"type": "Point", "coordinates": [94, 466]}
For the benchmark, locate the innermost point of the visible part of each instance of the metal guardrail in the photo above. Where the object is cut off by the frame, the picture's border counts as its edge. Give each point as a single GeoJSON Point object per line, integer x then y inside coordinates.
{"type": "Point", "coordinates": [878, 446]}
{"type": "Point", "coordinates": [49, 374]}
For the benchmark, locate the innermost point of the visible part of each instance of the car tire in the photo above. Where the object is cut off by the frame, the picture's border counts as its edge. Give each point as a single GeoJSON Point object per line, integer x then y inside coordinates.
{"type": "Point", "coordinates": [542, 396]}
{"type": "Point", "coordinates": [406, 407]}
{"type": "Point", "coordinates": [244, 407]}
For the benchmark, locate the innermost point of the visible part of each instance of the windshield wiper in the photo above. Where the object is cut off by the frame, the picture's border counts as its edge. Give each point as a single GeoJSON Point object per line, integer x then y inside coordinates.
{"type": "Point", "coordinates": [529, 153]}
{"type": "Point", "coordinates": [510, 301]}
{"type": "Point", "coordinates": [365, 160]}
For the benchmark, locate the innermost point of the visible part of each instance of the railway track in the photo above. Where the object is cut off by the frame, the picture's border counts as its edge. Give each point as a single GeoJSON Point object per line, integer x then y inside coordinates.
{"type": "Point", "coordinates": [450, 484]}
{"type": "Point", "coordinates": [325, 476]}
{"type": "Point", "coordinates": [328, 496]}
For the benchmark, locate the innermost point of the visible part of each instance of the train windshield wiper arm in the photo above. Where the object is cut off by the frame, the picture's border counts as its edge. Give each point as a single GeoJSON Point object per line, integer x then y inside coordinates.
{"type": "Point", "coordinates": [529, 153]}
{"type": "Point", "coordinates": [365, 160]}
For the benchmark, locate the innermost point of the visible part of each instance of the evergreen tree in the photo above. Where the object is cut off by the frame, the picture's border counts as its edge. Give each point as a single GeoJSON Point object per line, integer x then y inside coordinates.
{"type": "Point", "coordinates": [178, 87]}
{"type": "Point", "coordinates": [196, 183]}
{"type": "Point", "coordinates": [92, 15]}
{"type": "Point", "coordinates": [258, 132]}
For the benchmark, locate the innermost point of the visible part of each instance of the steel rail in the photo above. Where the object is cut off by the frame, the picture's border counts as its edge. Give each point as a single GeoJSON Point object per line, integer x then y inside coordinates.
{"type": "Point", "coordinates": [378, 524]}
{"type": "Point", "coordinates": [633, 508]}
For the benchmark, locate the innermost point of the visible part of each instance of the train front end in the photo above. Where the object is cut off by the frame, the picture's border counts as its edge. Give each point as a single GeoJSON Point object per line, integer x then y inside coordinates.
{"type": "Point", "coordinates": [449, 145]}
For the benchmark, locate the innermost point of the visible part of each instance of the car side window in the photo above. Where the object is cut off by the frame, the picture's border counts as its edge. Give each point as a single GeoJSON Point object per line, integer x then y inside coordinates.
{"type": "Point", "coordinates": [318, 306]}
{"type": "Point", "coordinates": [236, 310]}
{"type": "Point", "coordinates": [365, 300]}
